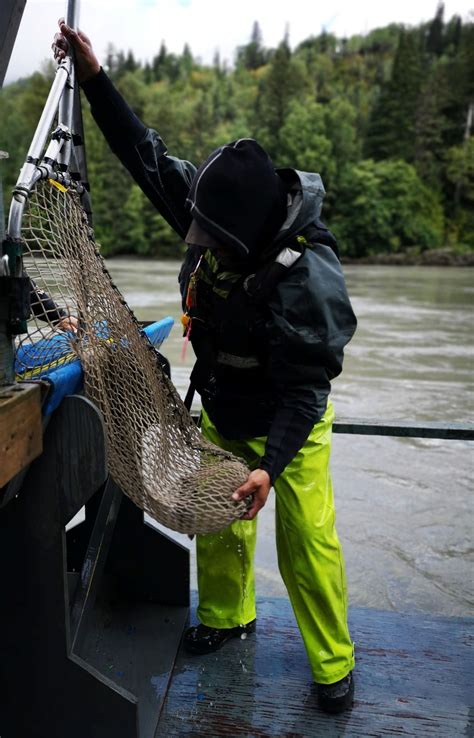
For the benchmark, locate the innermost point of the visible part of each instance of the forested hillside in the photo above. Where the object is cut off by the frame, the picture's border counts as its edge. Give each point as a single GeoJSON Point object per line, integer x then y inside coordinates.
{"type": "Point", "coordinates": [386, 118]}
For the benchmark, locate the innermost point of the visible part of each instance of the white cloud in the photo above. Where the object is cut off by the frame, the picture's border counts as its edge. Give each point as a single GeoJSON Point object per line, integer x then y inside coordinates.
{"type": "Point", "coordinates": [207, 25]}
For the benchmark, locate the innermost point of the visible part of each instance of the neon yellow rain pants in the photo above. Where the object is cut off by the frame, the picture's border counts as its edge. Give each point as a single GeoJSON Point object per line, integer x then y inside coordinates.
{"type": "Point", "coordinates": [309, 555]}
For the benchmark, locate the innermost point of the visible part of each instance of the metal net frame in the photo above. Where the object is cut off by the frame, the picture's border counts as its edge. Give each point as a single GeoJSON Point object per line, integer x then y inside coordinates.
{"type": "Point", "coordinates": [156, 453]}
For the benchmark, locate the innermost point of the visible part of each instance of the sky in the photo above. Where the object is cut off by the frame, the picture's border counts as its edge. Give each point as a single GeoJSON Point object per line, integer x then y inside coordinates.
{"type": "Point", "coordinates": [208, 25]}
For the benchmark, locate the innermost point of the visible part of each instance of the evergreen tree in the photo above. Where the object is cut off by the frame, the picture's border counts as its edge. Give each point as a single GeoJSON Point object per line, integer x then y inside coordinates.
{"type": "Point", "coordinates": [187, 61]}
{"type": "Point", "coordinates": [253, 55]}
{"type": "Point", "coordinates": [130, 64]}
{"type": "Point", "coordinates": [120, 64]}
{"type": "Point", "coordinates": [216, 62]}
{"type": "Point", "coordinates": [284, 80]}
{"type": "Point", "coordinates": [159, 62]}
{"type": "Point", "coordinates": [460, 175]}
{"type": "Point", "coordinates": [133, 222]}
{"type": "Point", "coordinates": [434, 39]}
{"type": "Point", "coordinates": [428, 130]}
{"type": "Point", "coordinates": [147, 73]}
{"type": "Point", "coordinates": [458, 86]}
{"type": "Point", "coordinates": [393, 118]}
{"type": "Point", "coordinates": [325, 43]}
{"type": "Point", "coordinates": [452, 34]}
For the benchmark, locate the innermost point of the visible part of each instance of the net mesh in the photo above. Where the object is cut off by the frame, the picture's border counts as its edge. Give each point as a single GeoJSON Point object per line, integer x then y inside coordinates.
{"type": "Point", "coordinates": [155, 452]}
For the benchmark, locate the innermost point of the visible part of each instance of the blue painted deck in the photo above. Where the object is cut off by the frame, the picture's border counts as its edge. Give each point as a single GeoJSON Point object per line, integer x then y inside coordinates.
{"type": "Point", "coordinates": [414, 677]}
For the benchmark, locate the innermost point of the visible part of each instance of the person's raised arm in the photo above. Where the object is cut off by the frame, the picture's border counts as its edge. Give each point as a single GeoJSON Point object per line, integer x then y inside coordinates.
{"type": "Point", "coordinates": [164, 179]}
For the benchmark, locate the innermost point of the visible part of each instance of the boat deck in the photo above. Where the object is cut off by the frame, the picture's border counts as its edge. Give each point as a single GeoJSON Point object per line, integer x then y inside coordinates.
{"type": "Point", "coordinates": [102, 657]}
{"type": "Point", "coordinates": [413, 678]}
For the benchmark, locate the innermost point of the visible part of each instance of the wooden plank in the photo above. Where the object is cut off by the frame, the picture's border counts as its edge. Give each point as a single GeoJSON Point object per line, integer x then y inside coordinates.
{"type": "Point", "coordinates": [21, 436]}
{"type": "Point", "coordinates": [413, 678]}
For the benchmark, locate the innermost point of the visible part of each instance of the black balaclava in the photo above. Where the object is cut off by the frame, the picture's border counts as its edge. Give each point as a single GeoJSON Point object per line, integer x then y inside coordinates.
{"type": "Point", "coordinates": [238, 198]}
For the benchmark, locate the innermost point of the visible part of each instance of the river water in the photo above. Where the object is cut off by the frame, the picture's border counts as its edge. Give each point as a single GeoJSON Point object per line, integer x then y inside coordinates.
{"type": "Point", "coordinates": [404, 505]}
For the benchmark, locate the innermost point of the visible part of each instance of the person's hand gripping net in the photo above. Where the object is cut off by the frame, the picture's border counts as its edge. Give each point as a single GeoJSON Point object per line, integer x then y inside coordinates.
{"type": "Point", "coordinates": [86, 63]}
{"type": "Point", "coordinates": [258, 485]}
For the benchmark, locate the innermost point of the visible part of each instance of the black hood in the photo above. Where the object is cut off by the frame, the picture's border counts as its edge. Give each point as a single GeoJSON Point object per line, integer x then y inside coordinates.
{"type": "Point", "coordinates": [238, 198]}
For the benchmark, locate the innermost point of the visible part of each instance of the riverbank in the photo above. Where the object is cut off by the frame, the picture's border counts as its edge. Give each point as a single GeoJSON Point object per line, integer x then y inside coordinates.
{"type": "Point", "coordinates": [432, 257]}
{"type": "Point", "coordinates": [413, 257]}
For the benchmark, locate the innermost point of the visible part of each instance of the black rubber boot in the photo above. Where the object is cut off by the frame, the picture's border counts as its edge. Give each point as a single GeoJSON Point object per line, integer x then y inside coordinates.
{"type": "Point", "coordinates": [202, 639]}
{"type": "Point", "coordinates": [336, 697]}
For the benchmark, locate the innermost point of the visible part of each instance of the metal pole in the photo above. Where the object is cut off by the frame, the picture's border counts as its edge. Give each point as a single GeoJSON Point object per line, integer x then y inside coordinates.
{"type": "Point", "coordinates": [66, 105]}
{"type": "Point", "coordinates": [72, 13]}
{"type": "Point", "coordinates": [65, 113]}
{"type": "Point", "coordinates": [30, 173]}
{"type": "Point", "coordinates": [61, 100]}
{"type": "Point", "coordinates": [47, 117]}
{"type": "Point", "coordinates": [73, 155]}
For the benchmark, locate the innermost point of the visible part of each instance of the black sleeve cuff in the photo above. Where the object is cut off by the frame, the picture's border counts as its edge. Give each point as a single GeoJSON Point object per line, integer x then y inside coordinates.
{"type": "Point", "coordinates": [43, 307]}
{"type": "Point", "coordinates": [288, 434]}
{"type": "Point", "coordinates": [91, 84]}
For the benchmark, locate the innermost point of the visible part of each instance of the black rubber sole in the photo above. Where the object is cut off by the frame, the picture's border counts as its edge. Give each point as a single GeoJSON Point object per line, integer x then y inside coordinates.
{"type": "Point", "coordinates": [336, 705]}
{"type": "Point", "coordinates": [212, 639]}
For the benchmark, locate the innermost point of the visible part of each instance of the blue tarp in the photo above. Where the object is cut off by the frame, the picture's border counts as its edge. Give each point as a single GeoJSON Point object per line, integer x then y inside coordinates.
{"type": "Point", "coordinates": [52, 359]}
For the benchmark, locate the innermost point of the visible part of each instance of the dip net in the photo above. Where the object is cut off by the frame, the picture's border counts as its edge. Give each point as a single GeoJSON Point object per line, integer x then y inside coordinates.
{"type": "Point", "coordinates": [156, 454]}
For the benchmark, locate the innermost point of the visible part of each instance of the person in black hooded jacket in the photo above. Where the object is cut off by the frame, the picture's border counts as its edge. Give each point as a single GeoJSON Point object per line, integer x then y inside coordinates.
{"type": "Point", "coordinates": [268, 316]}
